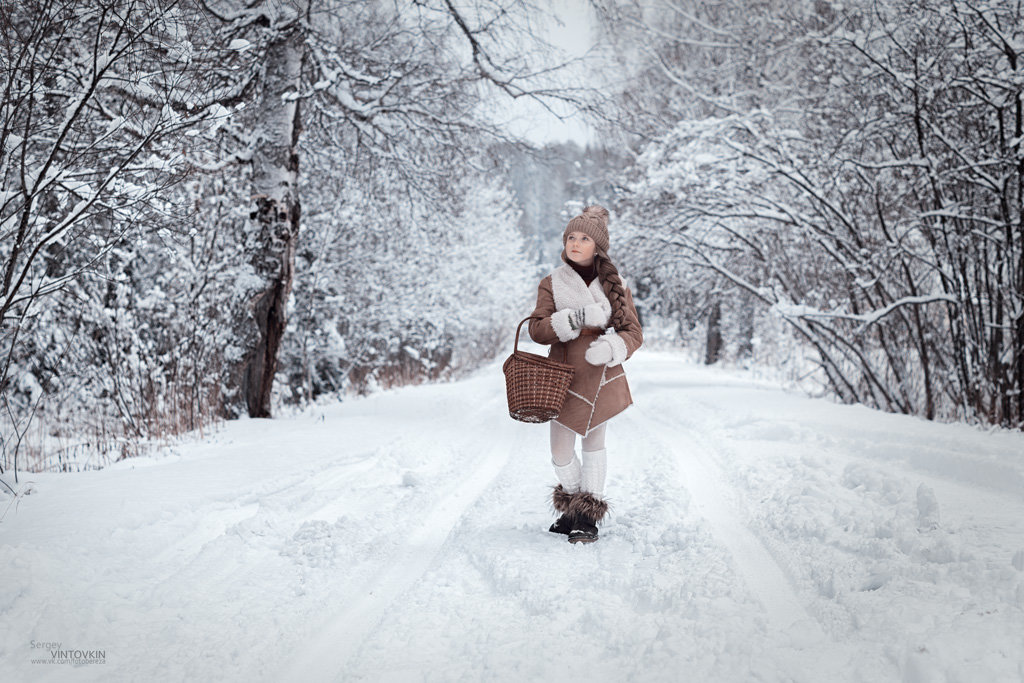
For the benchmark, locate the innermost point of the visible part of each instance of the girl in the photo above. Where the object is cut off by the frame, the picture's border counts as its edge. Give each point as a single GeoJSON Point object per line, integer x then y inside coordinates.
{"type": "Point", "coordinates": [585, 310]}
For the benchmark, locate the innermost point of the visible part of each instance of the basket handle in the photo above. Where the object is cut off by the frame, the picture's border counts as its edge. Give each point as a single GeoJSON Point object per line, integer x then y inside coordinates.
{"type": "Point", "coordinates": [515, 344]}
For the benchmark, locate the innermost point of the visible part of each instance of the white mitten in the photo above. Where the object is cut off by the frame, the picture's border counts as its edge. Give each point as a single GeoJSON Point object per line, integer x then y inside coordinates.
{"type": "Point", "coordinates": [595, 315]}
{"type": "Point", "coordinates": [563, 323]}
{"type": "Point", "coordinates": [599, 353]}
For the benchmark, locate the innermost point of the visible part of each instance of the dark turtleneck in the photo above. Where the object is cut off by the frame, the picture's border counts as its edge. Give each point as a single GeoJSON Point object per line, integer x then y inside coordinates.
{"type": "Point", "coordinates": [588, 273]}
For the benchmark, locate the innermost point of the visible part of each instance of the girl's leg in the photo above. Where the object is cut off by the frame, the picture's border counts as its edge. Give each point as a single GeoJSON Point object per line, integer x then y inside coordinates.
{"type": "Point", "coordinates": [563, 457]}
{"type": "Point", "coordinates": [595, 461]}
{"type": "Point", "coordinates": [588, 507]}
{"type": "Point", "coordinates": [594, 441]}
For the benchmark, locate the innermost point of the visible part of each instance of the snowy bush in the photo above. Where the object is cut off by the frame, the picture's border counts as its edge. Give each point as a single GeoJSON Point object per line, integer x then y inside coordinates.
{"type": "Point", "coordinates": [394, 289]}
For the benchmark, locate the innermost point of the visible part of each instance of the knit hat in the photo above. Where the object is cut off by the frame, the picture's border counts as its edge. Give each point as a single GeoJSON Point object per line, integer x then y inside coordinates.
{"type": "Point", "coordinates": [593, 221]}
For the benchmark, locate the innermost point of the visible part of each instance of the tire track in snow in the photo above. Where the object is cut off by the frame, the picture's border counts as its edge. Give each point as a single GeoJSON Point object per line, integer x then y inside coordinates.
{"type": "Point", "coordinates": [324, 658]}
{"type": "Point", "coordinates": [215, 519]}
{"type": "Point", "coordinates": [802, 647]}
{"type": "Point", "coordinates": [718, 504]}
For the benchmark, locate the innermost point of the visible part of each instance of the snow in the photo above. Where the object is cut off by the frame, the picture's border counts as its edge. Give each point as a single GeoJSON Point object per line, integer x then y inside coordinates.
{"type": "Point", "coordinates": [755, 535]}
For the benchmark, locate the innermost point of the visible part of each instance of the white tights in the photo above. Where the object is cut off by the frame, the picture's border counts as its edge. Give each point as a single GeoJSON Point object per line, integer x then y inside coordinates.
{"type": "Point", "coordinates": [574, 475]}
{"type": "Point", "coordinates": [563, 443]}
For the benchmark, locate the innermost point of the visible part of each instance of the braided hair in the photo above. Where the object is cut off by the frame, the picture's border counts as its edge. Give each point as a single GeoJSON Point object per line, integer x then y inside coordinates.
{"type": "Point", "coordinates": [613, 289]}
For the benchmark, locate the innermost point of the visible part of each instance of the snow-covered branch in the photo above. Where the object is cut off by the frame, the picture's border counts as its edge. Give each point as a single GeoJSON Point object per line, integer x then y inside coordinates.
{"type": "Point", "coordinates": [866, 319]}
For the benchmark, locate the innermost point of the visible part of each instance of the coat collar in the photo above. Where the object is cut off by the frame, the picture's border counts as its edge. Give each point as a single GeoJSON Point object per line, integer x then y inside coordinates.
{"type": "Point", "coordinates": [570, 291]}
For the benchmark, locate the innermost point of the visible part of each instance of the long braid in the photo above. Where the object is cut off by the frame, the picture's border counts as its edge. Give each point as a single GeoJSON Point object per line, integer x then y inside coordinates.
{"type": "Point", "coordinates": [614, 289]}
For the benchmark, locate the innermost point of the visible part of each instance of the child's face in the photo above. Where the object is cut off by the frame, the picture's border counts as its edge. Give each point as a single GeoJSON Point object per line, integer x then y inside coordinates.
{"type": "Point", "coordinates": [580, 248]}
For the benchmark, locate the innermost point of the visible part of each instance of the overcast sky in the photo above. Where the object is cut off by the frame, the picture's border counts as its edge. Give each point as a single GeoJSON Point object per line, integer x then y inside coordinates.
{"type": "Point", "coordinates": [575, 37]}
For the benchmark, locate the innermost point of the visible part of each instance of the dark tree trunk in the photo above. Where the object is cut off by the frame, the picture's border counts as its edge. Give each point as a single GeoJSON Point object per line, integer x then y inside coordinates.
{"type": "Point", "coordinates": [713, 347]}
{"type": "Point", "coordinates": [745, 343]}
{"type": "Point", "coordinates": [280, 228]}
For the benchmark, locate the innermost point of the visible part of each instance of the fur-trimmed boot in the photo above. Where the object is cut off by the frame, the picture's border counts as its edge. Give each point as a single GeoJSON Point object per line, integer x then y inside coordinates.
{"type": "Point", "coordinates": [587, 510]}
{"type": "Point", "coordinates": [570, 476]}
{"type": "Point", "coordinates": [560, 501]}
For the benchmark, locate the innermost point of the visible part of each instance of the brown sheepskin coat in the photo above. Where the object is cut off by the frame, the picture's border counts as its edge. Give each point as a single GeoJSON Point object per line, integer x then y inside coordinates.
{"type": "Point", "coordinates": [597, 393]}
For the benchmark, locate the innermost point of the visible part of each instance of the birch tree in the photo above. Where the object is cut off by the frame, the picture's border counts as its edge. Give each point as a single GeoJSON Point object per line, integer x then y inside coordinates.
{"type": "Point", "coordinates": [343, 81]}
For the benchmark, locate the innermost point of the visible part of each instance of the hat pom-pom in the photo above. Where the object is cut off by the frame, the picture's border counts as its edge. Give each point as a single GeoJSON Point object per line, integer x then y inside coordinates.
{"type": "Point", "coordinates": [597, 212]}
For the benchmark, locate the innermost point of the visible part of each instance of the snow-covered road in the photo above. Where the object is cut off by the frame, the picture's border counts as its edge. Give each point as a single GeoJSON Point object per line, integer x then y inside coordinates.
{"type": "Point", "coordinates": [756, 535]}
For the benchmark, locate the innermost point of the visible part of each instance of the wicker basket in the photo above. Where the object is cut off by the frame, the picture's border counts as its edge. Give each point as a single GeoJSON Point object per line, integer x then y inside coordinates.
{"type": "Point", "coordinates": [535, 385]}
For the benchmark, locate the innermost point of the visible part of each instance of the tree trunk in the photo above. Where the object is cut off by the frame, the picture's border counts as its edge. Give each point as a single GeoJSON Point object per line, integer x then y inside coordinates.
{"type": "Point", "coordinates": [713, 348]}
{"type": "Point", "coordinates": [275, 218]}
{"type": "Point", "coordinates": [745, 342]}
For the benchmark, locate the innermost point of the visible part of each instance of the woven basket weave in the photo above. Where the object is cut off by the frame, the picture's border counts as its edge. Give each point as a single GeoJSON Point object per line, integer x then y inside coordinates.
{"type": "Point", "coordinates": [535, 385]}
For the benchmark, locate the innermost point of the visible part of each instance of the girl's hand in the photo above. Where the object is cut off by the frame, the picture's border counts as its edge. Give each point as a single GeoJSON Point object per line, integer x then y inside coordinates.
{"type": "Point", "coordinates": [599, 353]}
{"type": "Point", "coordinates": [591, 315]}
{"type": "Point", "coordinates": [594, 315]}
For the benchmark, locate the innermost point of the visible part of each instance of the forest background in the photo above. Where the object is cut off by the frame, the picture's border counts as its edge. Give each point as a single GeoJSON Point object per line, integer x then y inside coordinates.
{"type": "Point", "coordinates": [217, 208]}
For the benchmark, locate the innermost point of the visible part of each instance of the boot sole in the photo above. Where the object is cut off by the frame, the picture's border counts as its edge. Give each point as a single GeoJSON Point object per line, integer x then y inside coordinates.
{"type": "Point", "coordinates": [582, 539]}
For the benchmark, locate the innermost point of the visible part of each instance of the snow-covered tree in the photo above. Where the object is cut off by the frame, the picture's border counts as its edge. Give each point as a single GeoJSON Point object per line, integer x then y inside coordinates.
{"type": "Point", "coordinates": [170, 295]}
{"type": "Point", "coordinates": [97, 99]}
{"type": "Point", "coordinates": [334, 82]}
{"type": "Point", "coordinates": [881, 218]}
